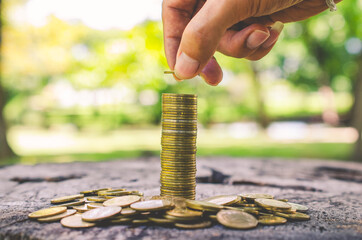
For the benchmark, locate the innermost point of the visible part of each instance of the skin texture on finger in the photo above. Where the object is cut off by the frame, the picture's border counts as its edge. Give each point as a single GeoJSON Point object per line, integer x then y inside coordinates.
{"type": "Point", "coordinates": [233, 43]}
{"type": "Point", "coordinates": [176, 14]}
{"type": "Point", "coordinates": [298, 12]}
{"type": "Point", "coordinates": [257, 8]}
{"type": "Point", "coordinates": [202, 36]}
{"type": "Point", "coordinates": [212, 72]}
{"type": "Point", "coordinates": [267, 46]}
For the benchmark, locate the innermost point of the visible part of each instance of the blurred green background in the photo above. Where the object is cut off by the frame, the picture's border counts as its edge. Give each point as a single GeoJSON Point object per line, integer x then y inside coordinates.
{"type": "Point", "coordinates": [82, 80]}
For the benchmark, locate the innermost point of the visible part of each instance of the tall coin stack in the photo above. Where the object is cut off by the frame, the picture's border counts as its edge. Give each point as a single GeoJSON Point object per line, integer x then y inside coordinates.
{"type": "Point", "coordinates": [178, 154]}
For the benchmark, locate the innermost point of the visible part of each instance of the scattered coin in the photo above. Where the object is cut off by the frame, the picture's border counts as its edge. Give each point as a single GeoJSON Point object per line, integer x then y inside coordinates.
{"type": "Point", "coordinates": [57, 217]}
{"type": "Point", "coordinates": [253, 196]}
{"type": "Point", "coordinates": [236, 219]}
{"type": "Point", "coordinates": [93, 205]}
{"type": "Point", "coordinates": [271, 220]}
{"type": "Point", "coordinates": [272, 204]}
{"type": "Point", "coordinates": [66, 198]}
{"type": "Point", "coordinates": [96, 199]}
{"type": "Point", "coordinates": [299, 207]}
{"type": "Point", "coordinates": [82, 208]}
{"type": "Point", "coordinates": [224, 199]}
{"type": "Point", "coordinates": [70, 204]}
{"type": "Point", "coordinates": [75, 221]}
{"type": "Point", "coordinates": [128, 211]}
{"type": "Point", "coordinates": [160, 220]}
{"type": "Point", "coordinates": [196, 225]}
{"type": "Point", "coordinates": [294, 216]}
{"type": "Point", "coordinates": [203, 206]}
{"type": "Point", "coordinates": [101, 213]}
{"type": "Point", "coordinates": [151, 205]}
{"type": "Point", "coordinates": [94, 191]}
{"type": "Point", "coordinates": [47, 212]}
{"type": "Point", "coordinates": [123, 201]}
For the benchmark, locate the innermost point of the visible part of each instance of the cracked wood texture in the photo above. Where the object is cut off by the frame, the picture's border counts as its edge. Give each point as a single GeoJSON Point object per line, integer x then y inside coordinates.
{"type": "Point", "coordinates": [332, 191]}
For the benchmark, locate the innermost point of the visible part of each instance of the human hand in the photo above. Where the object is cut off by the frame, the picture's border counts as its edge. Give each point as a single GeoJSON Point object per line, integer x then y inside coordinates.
{"type": "Point", "coordinates": [195, 29]}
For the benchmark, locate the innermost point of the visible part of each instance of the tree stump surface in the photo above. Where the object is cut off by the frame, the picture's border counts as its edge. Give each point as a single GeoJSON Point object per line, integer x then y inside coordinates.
{"type": "Point", "coordinates": [331, 190]}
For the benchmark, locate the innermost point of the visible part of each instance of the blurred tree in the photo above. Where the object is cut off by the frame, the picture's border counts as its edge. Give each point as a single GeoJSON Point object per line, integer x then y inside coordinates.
{"type": "Point", "coordinates": [5, 151]}
{"type": "Point", "coordinates": [357, 113]}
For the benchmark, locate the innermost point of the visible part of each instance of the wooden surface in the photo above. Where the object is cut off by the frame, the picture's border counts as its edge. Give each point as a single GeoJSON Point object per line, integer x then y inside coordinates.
{"type": "Point", "coordinates": [332, 190]}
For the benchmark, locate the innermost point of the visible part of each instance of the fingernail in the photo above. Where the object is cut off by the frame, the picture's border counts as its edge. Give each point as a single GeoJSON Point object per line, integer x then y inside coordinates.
{"type": "Point", "coordinates": [275, 31]}
{"type": "Point", "coordinates": [256, 39]}
{"type": "Point", "coordinates": [186, 67]}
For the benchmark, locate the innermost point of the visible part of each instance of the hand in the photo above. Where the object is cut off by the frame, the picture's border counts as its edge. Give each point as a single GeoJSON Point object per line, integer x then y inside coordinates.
{"type": "Point", "coordinates": [195, 29]}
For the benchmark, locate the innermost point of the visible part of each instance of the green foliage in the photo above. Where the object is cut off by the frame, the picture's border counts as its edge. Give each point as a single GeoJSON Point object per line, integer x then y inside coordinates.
{"type": "Point", "coordinates": [68, 73]}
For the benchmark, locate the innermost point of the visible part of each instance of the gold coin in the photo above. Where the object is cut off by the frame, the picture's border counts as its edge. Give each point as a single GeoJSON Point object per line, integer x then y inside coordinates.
{"type": "Point", "coordinates": [203, 206]}
{"type": "Point", "coordinates": [93, 191]}
{"type": "Point", "coordinates": [166, 139]}
{"type": "Point", "coordinates": [92, 205]}
{"type": "Point", "coordinates": [184, 213]}
{"type": "Point", "coordinates": [224, 199]}
{"type": "Point", "coordinates": [123, 201]}
{"type": "Point", "coordinates": [66, 198]}
{"type": "Point", "coordinates": [47, 212]}
{"type": "Point", "coordinates": [182, 219]}
{"type": "Point", "coordinates": [121, 220]}
{"type": "Point", "coordinates": [128, 211]}
{"type": "Point", "coordinates": [178, 96]}
{"type": "Point", "coordinates": [177, 193]}
{"type": "Point", "coordinates": [82, 208]}
{"type": "Point", "coordinates": [196, 225]}
{"type": "Point", "coordinates": [99, 214]}
{"type": "Point", "coordinates": [178, 158]}
{"type": "Point", "coordinates": [180, 163]}
{"type": "Point", "coordinates": [254, 211]}
{"type": "Point", "coordinates": [236, 219]}
{"type": "Point", "coordinates": [272, 204]}
{"type": "Point", "coordinates": [70, 204]}
{"type": "Point", "coordinates": [253, 196]}
{"type": "Point", "coordinates": [190, 113]}
{"type": "Point", "coordinates": [151, 205]}
{"type": "Point", "coordinates": [298, 207]}
{"type": "Point", "coordinates": [140, 221]}
{"type": "Point", "coordinates": [179, 170]}
{"type": "Point", "coordinates": [175, 106]}
{"type": "Point", "coordinates": [271, 220]}
{"type": "Point", "coordinates": [189, 136]}
{"type": "Point", "coordinates": [183, 114]}
{"type": "Point", "coordinates": [57, 217]}
{"type": "Point", "coordinates": [160, 220]}
{"type": "Point", "coordinates": [294, 216]}
{"type": "Point", "coordinates": [179, 121]}
{"type": "Point", "coordinates": [116, 189]}
{"type": "Point", "coordinates": [112, 194]}
{"type": "Point", "coordinates": [181, 144]}
{"type": "Point", "coordinates": [75, 221]}
{"type": "Point", "coordinates": [96, 199]}
{"type": "Point", "coordinates": [179, 132]}
{"type": "Point", "coordinates": [178, 188]}
{"type": "Point", "coordinates": [178, 173]}
{"type": "Point", "coordinates": [246, 204]}
{"type": "Point", "coordinates": [115, 193]}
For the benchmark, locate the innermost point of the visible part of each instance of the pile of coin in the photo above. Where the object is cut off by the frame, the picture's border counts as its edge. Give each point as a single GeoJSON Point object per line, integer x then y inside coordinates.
{"type": "Point", "coordinates": [106, 206]}
{"type": "Point", "coordinates": [178, 141]}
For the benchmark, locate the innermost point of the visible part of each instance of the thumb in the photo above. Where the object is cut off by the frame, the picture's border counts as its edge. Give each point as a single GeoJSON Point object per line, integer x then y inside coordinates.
{"type": "Point", "coordinates": [202, 36]}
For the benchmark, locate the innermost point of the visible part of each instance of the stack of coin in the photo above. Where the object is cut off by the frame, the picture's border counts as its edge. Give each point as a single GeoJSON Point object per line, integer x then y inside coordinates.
{"type": "Point", "coordinates": [178, 154]}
